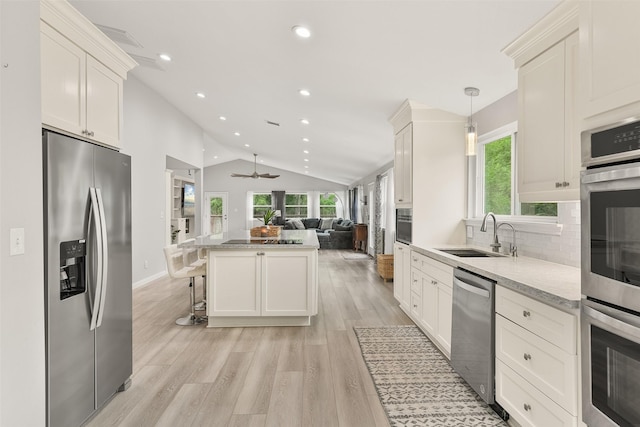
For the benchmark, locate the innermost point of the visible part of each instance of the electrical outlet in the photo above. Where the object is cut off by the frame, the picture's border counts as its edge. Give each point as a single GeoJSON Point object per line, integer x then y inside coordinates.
{"type": "Point", "coordinates": [469, 232]}
{"type": "Point", "coordinates": [16, 241]}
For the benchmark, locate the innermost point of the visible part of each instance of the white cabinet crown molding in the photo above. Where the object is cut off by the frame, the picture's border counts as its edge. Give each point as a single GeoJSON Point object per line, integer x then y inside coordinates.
{"type": "Point", "coordinates": [411, 111]}
{"type": "Point", "coordinates": [556, 25]}
{"type": "Point", "coordinates": [76, 27]}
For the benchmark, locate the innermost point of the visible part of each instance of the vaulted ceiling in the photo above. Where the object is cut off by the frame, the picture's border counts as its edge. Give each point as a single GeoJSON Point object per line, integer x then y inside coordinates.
{"type": "Point", "coordinates": [363, 59]}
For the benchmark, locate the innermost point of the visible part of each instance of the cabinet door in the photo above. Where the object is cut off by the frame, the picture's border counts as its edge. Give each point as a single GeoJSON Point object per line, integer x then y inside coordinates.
{"type": "Point", "coordinates": [429, 304]}
{"type": "Point", "coordinates": [63, 89]}
{"type": "Point", "coordinates": [445, 313]}
{"type": "Point", "coordinates": [398, 270]}
{"type": "Point", "coordinates": [541, 126]}
{"type": "Point", "coordinates": [234, 283]}
{"type": "Point", "coordinates": [288, 285]}
{"type": "Point", "coordinates": [572, 146]}
{"type": "Point", "coordinates": [403, 166]}
{"type": "Point", "coordinates": [104, 103]}
{"type": "Point", "coordinates": [610, 41]}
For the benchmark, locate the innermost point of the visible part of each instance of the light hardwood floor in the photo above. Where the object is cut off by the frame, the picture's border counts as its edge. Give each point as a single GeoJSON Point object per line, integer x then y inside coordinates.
{"type": "Point", "coordinates": [267, 376]}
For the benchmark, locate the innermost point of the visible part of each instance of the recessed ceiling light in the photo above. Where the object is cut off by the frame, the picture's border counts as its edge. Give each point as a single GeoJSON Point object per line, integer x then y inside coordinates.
{"type": "Point", "coordinates": [223, 118]}
{"type": "Point", "coordinates": [165, 57]}
{"type": "Point", "coordinates": [306, 171]}
{"type": "Point", "coordinates": [236, 133]}
{"type": "Point", "coordinates": [306, 166]}
{"type": "Point", "coordinates": [304, 121]}
{"type": "Point", "coordinates": [306, 160]}
{"type": "Point", "coordinates": [301, 31]}
{"type": "Point", "coordinates": [305, 139]}
{"type": "Point", "coordinates": [306, 151]}
{"type": "Point", "coordinates": [200, 95]}
{"type": "Point", "coordinates": [247, 145]}
{"type": "Point", "coordinates": [215, 157]}
{"type": "Point", "coordinates": [203, 150]}
{"type": "Point", "coordinates": [304, 92]}
{"type": "Point", "coordinates": [261, 161]}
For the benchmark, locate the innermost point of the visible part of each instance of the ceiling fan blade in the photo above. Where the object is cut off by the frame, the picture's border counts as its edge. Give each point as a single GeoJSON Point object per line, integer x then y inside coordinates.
{"type": "Point", "coordinates": [268, 175]}
{"type": "Point", "coordinates": [239, 175]}
{"type": "Point", "coordinates": [255, 174]}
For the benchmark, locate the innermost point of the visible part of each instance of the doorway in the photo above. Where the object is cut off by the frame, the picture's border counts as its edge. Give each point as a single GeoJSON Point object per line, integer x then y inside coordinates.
{"type": "Point", "coordinates": [214, 215]}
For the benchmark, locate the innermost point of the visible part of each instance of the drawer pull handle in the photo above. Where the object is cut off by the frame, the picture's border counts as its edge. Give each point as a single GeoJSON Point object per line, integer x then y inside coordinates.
{"type": "Point", "coordinates": [415, 305]}
{"type": "Point", "coordinates": [526, 313]}
{"type": "Point", "coordinates": [527, 356]}
{"type": "Point", "coordinates": [527, 407]}
{"type": "Point", "coordinates": [433, 282]}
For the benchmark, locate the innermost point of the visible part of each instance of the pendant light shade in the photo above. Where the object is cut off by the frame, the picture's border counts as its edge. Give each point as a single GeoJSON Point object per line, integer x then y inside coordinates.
{"type": "Point", "coordinates": [471, 134]}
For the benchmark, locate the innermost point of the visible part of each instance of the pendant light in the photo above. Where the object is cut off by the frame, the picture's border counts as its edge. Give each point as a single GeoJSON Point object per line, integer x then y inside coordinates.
{"type": "Point", "coordinates": [471, 134]}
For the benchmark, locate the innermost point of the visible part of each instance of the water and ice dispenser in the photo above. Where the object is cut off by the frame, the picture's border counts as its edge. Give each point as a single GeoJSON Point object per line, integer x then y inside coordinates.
{"type": "Point", "coordinates": [73, 256]}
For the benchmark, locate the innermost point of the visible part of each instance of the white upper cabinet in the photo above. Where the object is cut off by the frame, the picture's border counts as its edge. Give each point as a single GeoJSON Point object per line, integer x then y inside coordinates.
{"type": "Point", "coordinates": [403, 167]}
{"type": "Point", "coordinates": [609, 60]}
{"type": "Point", "coordinates": [82, 73]}
{"type": "Point", "coordinates": [548, 141]}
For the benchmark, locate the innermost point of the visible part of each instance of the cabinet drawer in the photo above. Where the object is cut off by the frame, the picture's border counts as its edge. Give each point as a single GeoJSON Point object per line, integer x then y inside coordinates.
{"type": "Point", "coordinates": [416, 305]}
{"type": "Point", "coordinates": [550, 369]}
{"type": "Point", "coordinates": [443, 273]}
{"type": "Point", "coordinates": [416, 277]}
{"type": "Point", "coordinates": [417, 260]}
{"type": "Point", "coordinates": [553, 325]}
{"type": "Point", "coordinates": [528, 406]}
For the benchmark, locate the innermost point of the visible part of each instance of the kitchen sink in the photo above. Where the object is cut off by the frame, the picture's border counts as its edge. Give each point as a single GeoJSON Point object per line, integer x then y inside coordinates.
{"type": "Point", "coordinates": [470, 253]}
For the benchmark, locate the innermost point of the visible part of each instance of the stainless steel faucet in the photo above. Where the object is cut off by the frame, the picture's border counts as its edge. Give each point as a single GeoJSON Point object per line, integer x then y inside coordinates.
{"type": "Point", "coordinates": [496, 244]}
{"type": "Point", "coordinates": [514, 249]}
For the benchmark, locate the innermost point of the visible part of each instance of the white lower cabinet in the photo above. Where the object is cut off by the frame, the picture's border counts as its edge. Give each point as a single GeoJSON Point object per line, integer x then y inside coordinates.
{"type": "Point", "coordinates": [402, 275]}
{"type": "Point", "coordinates": [431, 299]}
{"type": "Point", "coordinates": [536, 361]}
{"type": "Point", "coordinates": [247, 283]}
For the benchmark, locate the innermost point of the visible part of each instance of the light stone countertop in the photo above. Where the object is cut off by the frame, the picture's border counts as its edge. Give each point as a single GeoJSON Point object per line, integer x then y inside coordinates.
{"type": "Point", "coordinates": [217, 241]}
{"type": "Point", "coordinates": [548, 282]}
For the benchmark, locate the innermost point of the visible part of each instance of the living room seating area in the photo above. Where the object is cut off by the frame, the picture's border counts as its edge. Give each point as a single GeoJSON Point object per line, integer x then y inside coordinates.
{"type": "Point", "coordinates": [333, 233]}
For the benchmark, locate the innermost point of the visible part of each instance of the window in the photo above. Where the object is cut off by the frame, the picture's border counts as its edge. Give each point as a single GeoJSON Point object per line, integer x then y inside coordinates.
{"type": "Point", "coordinates": [261, 204]}
{"type": "Point", "coordinates": [328, 202]}
{"type": "Point", "coordinates": [496, 184]}
{"type": "Point", "coordinates": [295, 205]}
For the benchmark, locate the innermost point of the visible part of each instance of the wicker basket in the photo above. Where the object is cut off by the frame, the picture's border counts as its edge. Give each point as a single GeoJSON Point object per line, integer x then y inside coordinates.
{"type": "Point", "coordinates": [385, 266]}
{"type": "Point", "coordinates": [268, 231]}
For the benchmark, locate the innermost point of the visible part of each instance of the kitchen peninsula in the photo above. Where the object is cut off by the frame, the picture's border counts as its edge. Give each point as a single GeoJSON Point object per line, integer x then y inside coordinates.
{"type": "Point", "coordinates": [261, 281]}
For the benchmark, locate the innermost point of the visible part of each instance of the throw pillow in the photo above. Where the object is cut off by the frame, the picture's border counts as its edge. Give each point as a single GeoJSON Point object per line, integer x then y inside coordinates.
{"type": "Point", "coordinates": [312, 223]}
{"type": "Point", "coordinates": [297, 223]}
{"type": "Point", "coordinates": [347, 223]}
{"type": "Point", "coordinates": [342, 228]}
{"type": "Point", "coordinates": [326, 224]}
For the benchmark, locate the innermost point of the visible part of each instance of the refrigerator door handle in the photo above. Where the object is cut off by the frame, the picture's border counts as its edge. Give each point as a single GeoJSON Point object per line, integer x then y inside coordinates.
{"type": "Point", "coordinates": [95, 214]}
{"type": "Point", "coordinates": [104, 260]}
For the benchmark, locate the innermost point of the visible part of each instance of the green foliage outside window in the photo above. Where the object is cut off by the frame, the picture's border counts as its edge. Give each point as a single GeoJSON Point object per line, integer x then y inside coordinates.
{"type": "Point", "coordinates": [497, 176]}
{"type": "Point", "coordinates": [261, 204]}
{"type": "Point", "coordinates": [295, 205]}
{"type": "Point", "coordinates": [216, 206]}
{"type": "Point", "coordinates": [328, 205]}
{"type": "Point", "coordinates": [539, 209]}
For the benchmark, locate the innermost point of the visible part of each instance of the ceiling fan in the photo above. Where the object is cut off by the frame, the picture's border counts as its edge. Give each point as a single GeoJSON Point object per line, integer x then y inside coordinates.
{"type": "Point", "coordinates": [255, 174]}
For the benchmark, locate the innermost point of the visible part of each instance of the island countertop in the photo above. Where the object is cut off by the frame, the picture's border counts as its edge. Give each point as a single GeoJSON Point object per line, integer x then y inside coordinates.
{"type": "Point", "coordinates": [243, 240]}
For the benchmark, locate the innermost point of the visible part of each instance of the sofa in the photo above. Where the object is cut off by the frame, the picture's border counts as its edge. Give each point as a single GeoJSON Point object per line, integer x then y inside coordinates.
{"type": "Point", "coordinates": [333, 233]}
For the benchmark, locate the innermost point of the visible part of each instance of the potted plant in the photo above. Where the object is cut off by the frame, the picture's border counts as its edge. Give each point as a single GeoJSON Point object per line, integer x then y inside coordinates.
{"type": "Point", "coordinates": [268, 216]}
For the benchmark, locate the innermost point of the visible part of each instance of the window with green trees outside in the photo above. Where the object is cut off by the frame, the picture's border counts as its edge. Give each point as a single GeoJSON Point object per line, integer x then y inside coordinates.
{"type": "Point", "coordinates": [295, 205]}
{"type": "Point", "coordinates": [261, 204]}
{"type": "Point", "coordinates": [328, 203]}
{"type": "Point", "coordinates": [498, 191]}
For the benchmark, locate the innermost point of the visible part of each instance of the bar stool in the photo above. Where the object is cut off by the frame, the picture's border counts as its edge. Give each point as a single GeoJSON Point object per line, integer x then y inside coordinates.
{"type": "Point", "coordinates": [197, 258]}
{"type": "Point", "coordinates": [177, 270]}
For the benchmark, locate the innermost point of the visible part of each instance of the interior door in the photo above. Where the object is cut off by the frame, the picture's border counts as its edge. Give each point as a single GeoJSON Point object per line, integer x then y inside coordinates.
{"type": "Point", "coordinates": [215, 217]}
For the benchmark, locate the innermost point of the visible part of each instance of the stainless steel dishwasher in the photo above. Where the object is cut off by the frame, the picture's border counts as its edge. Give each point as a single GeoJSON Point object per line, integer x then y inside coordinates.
{"type": "Point", "coordinates": [472, 331]}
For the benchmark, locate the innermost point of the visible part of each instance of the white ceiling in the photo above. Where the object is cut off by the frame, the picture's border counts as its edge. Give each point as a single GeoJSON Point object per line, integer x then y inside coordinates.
{"type": "Point", "coordinates": [363, 60]}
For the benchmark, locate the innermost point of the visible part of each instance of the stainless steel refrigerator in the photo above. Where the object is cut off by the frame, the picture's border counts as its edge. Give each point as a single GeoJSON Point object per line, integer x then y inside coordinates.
{"type": "Point", "coordinates": [87, 226]}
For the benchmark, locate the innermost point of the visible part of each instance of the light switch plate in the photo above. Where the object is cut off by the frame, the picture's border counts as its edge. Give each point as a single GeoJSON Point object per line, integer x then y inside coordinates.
{"type": "Point", "coordinates": [16, 237]}
{"type": "Point", "coordinates": [469, 232]}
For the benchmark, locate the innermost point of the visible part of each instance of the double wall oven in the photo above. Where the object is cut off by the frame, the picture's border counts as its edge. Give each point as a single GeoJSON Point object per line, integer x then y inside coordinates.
{"type": "Point", "coordinates": [610, 321]}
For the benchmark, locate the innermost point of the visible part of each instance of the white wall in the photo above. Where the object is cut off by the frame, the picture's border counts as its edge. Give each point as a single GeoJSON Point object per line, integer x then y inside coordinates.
{"type": "Point", "coordinates": [22, 353]}
{"type": "Point", "coordinates": [154, 129]}
{"type": "Point", "coordinates": [217, 178]}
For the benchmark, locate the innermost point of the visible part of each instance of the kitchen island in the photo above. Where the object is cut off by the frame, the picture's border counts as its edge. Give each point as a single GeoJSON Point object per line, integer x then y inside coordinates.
{"type": "Point", "coordinates": [261, 281]}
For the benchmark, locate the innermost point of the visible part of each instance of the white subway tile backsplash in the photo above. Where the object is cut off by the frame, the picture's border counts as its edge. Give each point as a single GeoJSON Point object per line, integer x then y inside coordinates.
{"type": "Point", "coordinates": [562, 249]}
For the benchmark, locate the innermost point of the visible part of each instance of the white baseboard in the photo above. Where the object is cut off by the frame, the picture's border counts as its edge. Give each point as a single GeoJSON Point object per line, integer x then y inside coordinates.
{"type": "Point", "coordinates": [147, 280]}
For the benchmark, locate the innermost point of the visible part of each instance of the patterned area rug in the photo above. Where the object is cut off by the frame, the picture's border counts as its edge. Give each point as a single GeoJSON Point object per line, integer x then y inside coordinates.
{"type": "Point", "coordinates": [416, 384]}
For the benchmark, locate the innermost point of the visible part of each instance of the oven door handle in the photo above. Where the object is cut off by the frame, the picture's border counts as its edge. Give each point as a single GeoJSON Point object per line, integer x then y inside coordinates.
{"type": "Point", "coordinates": [614, 319]}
